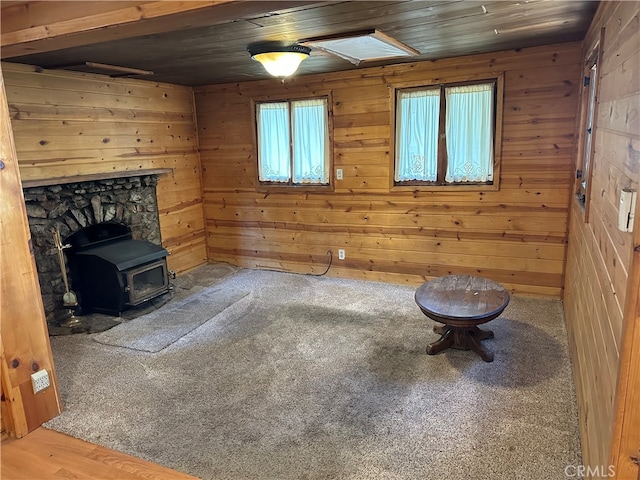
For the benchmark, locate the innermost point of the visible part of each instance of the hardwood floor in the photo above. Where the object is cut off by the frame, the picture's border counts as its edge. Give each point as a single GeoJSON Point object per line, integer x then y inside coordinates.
{"type": "Point", "coordinates": [45, 454]}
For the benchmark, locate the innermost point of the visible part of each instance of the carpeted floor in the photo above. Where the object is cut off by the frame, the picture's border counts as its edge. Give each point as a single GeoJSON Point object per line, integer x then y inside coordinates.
{"type": "Point", "coordinates": [318, 377]}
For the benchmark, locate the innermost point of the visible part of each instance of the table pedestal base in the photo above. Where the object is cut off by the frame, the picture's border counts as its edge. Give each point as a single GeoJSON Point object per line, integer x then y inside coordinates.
{"type": "Point", "coordinates": [463, 338]}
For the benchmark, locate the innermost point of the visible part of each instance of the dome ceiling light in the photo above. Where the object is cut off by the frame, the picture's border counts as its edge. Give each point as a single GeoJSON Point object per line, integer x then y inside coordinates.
{"type": "Point", "coordinates": [280, 60]}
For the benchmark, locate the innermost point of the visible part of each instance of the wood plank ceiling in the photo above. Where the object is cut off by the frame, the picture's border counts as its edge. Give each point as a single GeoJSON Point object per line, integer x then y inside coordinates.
{"type": "Point", "coordinates": [212, 48]}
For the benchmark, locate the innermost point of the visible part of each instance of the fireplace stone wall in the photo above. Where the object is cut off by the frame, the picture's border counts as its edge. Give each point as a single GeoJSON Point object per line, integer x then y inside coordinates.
{"type": "Point", "coordinates": [72, 206]}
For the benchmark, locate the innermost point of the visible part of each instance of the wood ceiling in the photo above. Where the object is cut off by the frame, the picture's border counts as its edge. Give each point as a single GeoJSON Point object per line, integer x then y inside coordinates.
{"type": "Point", "coordinates": [205, 42]}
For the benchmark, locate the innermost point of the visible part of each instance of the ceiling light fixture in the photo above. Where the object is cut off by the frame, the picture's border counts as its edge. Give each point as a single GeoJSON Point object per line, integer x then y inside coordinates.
{"type": "Point", "coordinates": [280, 60]}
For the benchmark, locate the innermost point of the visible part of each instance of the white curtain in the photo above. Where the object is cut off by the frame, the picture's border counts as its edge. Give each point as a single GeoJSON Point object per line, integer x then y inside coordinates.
{"type": "Point", "coordinates": [274, 161]}
{"type": "Point", "coordinates": [417, 117]}
{"type": "Point", "coordinates": [469, 132]}
{"type": "Point", "coordinates": [310, 141]}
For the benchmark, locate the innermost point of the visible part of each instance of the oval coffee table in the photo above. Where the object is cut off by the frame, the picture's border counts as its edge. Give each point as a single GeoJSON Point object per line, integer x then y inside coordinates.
{"type": "Point", "coordinates": [461, 303]}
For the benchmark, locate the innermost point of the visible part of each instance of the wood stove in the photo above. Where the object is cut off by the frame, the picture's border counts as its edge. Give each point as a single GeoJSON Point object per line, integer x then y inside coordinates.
{"type": "Point", "coordinates": [110, 271]}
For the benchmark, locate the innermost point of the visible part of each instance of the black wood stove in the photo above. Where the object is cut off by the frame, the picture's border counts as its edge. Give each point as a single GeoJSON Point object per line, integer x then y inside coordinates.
{"type": "Point", "coordinates": [111, 272]}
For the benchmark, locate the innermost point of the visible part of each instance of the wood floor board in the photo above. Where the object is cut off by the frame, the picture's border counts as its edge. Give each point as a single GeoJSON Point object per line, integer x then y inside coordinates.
{"type": "Point", "coordinates": [45, 454]}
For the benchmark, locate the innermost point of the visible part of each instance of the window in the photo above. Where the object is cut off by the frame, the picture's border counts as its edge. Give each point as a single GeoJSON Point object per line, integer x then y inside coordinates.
{"type": "Point", "coordinates": [589, 111]}
{"type": "Point", "coordinates": [445, 134]}
{"type": "Point", "coordinates": [293, 142]}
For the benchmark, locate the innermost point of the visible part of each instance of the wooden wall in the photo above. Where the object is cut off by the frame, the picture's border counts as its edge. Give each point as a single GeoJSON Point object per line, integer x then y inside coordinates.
{"type": "Point", "coordinates": [600, 257]}
{"type": "Point", "coordinates": [67, 124]}
{"type": "Point", "coordinates": [516, 235]}
{"type": "Point", "coordinates": [24, 343]}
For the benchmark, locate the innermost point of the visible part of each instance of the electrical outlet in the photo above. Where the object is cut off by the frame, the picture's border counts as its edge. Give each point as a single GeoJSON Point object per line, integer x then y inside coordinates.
{"type": "Point", "coordinates": [40, 381]}
{"type": "Point", "coordinates": [339, 175]}
{"type": "Point", "coordinates": [341, 255]}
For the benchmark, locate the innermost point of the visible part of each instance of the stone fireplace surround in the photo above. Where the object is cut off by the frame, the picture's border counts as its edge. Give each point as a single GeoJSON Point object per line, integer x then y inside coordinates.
{"type": "Point", "coordinates": [130, 200]}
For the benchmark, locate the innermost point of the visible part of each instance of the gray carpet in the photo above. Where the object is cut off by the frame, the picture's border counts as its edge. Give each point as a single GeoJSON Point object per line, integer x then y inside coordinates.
{"type": "Point", "coordinates": [318, 378]}
{"type": "Point", "coordinates": [157, 330]}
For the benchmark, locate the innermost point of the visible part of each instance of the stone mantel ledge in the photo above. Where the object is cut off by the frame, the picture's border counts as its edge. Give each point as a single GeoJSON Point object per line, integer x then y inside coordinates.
{"type": "Point", "coordinates": [44, 182]}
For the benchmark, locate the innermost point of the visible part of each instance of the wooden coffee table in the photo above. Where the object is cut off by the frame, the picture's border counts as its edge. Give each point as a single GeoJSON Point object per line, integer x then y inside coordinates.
{"type": "Point", "coordinates": [461, 303]}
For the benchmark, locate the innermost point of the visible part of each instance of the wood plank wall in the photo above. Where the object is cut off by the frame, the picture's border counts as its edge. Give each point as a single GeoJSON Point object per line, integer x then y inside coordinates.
{"type": "Point", "coordinates": [625, 449]}
{"type": "Point", "coordinates": [599, 255]}
{"type": "Point", "coordinates": [24, 343]}
{"type": "Point", "coordinates": [516, 235]}
{"type": "Point", "coordinates": [68, 124]}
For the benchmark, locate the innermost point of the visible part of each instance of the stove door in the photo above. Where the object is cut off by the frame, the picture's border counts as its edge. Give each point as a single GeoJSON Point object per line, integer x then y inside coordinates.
{"type": "Point", "coordinates": [147, 281]}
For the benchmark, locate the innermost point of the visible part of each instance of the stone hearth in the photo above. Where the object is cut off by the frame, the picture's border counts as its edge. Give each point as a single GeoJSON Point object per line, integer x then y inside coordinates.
{"type": "Point", "coordinates": [72, 206]}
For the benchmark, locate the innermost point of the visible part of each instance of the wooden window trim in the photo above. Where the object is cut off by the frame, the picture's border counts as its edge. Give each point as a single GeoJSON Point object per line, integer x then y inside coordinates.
{"type": "Point", "coordinates": [498, 77]}
{"type": "Point", "coordinates": [593, 56]}
{"type": "Point", "coordinates": [268, 187]}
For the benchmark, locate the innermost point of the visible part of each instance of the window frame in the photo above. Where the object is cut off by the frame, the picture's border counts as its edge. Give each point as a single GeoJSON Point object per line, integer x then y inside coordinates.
{"type": "Point", "coordinates": [498, 78]}
{"type": "Point", "coordinates": [262, 186]}
{"type": "Point", "coordinates": [589, 102]}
